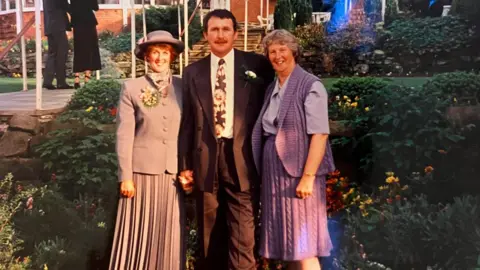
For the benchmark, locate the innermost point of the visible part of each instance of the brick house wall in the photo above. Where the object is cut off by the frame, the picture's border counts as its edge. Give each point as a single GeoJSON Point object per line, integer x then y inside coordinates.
{"type": "Point", "coordinates": [112, 20]}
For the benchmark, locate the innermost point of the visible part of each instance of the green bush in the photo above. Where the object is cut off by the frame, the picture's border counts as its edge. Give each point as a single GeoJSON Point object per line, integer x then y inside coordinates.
{"type": "Point", "coordinates": [468, 9]}
{"type": "Point", "coordinates": [283, 15]}
{"type": "Point", "coordinates": [166, 18]}
{"type": "Point", "coordinates": [347, 96]}
{"type": "Point", "coordinates": [96, 101]}
{"type": "Point", "coordinates": [310, 36]}
{"type": "Point", "coordinates": [303, 10]}
{"type": "Point", "coordinates": [119, 43]}
{"type": "Point", "coordinates": [82, 164]}
{"type": "Point", "coordinates": [457, 88]}
{"type": "Point", "coordinates": [420, 36]}
{"type": "Point", "coordinates": [414, 234]}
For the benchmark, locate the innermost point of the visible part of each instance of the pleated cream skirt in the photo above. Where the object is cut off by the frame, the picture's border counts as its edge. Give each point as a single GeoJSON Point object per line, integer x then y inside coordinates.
{"type": "Point", "coordinates": [150, 227]}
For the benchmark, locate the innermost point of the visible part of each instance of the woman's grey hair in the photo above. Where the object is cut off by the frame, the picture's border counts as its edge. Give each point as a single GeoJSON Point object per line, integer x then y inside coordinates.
{"type": "Point", "coordinates": [283, 37]}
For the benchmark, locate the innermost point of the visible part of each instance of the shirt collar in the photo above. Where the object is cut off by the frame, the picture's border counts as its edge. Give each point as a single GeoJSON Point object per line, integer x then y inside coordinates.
{"type": "Point", "coordinates": [228, 58]}
{"type": "Point", "coordinates": [279, 90]}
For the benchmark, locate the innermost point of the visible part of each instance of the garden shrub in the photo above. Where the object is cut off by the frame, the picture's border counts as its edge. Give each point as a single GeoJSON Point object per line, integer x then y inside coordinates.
{"type": "Point", "coordinates": [166, 18]}
{"type": "Point", "coordinates": [310, 36]}
{"type": "Point", "coordinates": [303, 10]}
{"type": "Point", "coordinates": [426, 35]}
{"type": "Point", "coordinates": [432, 44]}
{"type": "Point", "coordinates": [81, 164]}
{"type": "Point", "coordinates": [458, 88]}
{"type": "Point", "coordinates": [405, 232]}
{"type": "Point", "coordinates": [468, 9]}
{"type": "Point", "coordinates": [96, 101]}
{"type": "Point", "coordinates": [283, 16]}
{"type": "Point", "coordinates": [119, 43]}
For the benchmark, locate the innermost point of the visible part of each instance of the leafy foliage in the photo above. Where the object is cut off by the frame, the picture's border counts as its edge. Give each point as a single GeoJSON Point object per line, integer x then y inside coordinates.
{"type": "Point", "coordinates": [468, 9]}
{"type": "Point", "coordinates": [458, 88]}
{"type": "Point", "coordinates": [427, 35]}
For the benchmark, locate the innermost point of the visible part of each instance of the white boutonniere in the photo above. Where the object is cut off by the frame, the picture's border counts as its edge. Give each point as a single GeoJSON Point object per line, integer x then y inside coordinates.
{"type": "Point", "coordinates": [150, 96]}
{"type": "Point", "coordinates": [250, 75]}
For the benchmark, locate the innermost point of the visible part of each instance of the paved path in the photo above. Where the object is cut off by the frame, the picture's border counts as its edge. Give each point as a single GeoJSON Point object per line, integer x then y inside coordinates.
{"type": "Point", "coordinates": [23, 102]}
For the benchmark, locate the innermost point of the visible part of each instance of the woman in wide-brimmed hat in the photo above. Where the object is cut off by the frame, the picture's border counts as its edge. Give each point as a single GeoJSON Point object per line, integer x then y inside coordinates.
{"type": "Point", "coordinates": [149, 230]}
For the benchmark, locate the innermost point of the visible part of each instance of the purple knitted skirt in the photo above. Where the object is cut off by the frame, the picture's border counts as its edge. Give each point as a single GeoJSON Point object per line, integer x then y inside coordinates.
{"type": "Point", "coordinates": [292, 229]}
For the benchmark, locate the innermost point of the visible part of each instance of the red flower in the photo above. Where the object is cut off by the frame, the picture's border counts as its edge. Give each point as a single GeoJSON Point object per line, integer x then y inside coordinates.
{"type": "Point", "coordinates": [100, 108]}
{"type": "Point", "coordinates": [53, 177]}
{"type": "Point", "coordinates": [113, 111]}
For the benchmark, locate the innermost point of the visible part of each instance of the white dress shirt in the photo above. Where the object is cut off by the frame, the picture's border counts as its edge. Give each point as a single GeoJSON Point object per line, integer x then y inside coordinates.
{"type": "Point", "coordinates": [229, 70]}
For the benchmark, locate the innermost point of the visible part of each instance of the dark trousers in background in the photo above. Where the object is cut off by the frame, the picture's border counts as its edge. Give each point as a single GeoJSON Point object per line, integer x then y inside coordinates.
{"type": "Point", "coordinates": [226, 224]}
{"type": "Point", "coordinates": [57, 59]}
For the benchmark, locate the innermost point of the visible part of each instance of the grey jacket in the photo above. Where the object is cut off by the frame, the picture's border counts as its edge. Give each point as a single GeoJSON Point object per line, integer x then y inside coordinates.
{"type": "Point", "coordinates": [147, 137]}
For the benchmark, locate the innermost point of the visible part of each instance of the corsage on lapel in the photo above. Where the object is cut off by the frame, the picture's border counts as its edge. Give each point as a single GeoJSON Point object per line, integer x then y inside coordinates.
{"type": "Point", "coordinates": [150, 96]}
{"type": "Point", "coordinates": [251, 77]}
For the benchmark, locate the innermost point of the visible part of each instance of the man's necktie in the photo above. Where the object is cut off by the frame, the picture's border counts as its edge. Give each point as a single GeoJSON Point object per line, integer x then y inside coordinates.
{"type": "Point", "coordinates": [219, 99]}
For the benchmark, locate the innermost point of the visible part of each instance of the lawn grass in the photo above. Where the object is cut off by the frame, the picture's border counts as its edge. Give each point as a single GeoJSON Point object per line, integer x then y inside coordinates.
{"type": "Point", "coordinates": [8, 85]}
{"type": "Point", "coordinates": [16, 84]}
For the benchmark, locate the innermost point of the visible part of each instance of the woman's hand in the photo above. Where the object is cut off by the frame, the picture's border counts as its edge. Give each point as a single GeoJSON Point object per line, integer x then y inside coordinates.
{"type": "Point", "coordinates": [305, 186]}
{"type": "Point", "coordinates": [127, 188]}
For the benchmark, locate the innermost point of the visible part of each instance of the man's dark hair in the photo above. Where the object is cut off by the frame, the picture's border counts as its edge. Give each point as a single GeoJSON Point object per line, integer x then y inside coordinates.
{"type": "Point", "coordinates": [219, 13]}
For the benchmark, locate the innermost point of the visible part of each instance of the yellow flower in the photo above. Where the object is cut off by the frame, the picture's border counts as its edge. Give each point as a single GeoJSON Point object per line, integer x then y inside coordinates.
{"type": "Point", "coordinates": [369, 201]}
{"type": "Point", "coordinates": [389, 173]}
{"type": "Point", "coordinates": [382, 187]}
{"type": "Point", "coordinates": [357, 98]}
{"type": "Point", "coordinates": [337, 98]}
{"type": "Point", "coordinates": [392, 179]}
{"type": "Point", "coordinates": [345, 97]}
{"type": "Point", "coordinates": [89, 109]}
{"type": "Point", "coordinates": [367, 109]}
{"type": "Point", "coordinates": [455, 99]}
{"type": "Point", "coordinates": [364, 213]}
{"type": "Point", "coordinates": [354, 104]}
{"type": "Point", "coordinates": [362, 207]}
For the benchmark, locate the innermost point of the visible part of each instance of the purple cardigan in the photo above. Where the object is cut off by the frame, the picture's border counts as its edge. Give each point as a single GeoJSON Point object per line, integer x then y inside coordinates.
{"type": "Point", "coordinates": [292, 141]}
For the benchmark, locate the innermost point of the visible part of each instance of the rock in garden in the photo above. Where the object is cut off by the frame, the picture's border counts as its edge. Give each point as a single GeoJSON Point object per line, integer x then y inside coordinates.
{"type": "Point", "coordinates": [362, 68]}
{"type": "Point", "coordinates": [24, 122]}
{"type": "Point", "coordinates": [14, 143]}
{"type": "Point", "coordinates": [24, 169]}
{"type": "Point", "coordinates": [378, 54]}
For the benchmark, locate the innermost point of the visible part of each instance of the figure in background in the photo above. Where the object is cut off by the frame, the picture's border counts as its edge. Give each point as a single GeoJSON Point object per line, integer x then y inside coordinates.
{"type": "Point", "coordinates": [86, 53]}
{"type": "Point", "coordinates": [150, 226]}
{"type": "Point", "coordinates": [56, 24]}
{"type": "Point", "coordinates": [291, 149]}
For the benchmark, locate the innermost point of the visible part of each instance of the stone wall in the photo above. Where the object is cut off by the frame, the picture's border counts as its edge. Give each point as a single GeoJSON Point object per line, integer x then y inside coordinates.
{"type": "Point", "coordinates": [18, 136]}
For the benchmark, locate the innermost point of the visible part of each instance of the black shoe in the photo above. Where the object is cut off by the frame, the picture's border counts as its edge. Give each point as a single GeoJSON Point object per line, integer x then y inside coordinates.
{"type": "Point", "coordinates": [64, 86]}
{"type": "Point", "coordinates": [49, 86]}
{"type": "Point", "coordinates": [76, 85]}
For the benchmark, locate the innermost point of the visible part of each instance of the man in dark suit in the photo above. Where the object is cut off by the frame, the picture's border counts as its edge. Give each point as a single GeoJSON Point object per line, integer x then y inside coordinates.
{"type": "Point", "coordinates": [223, 94]}
{"type": "Point", "coordinates": [56, 24]}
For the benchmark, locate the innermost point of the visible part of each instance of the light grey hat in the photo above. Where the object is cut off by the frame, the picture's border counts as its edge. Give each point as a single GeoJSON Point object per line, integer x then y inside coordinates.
{"type": "Point", "coordinates": [157, 37]}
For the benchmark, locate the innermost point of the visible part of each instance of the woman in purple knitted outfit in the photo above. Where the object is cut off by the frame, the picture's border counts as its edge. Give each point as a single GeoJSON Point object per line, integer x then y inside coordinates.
{"type": "Point", "coordinates": [291, 150]}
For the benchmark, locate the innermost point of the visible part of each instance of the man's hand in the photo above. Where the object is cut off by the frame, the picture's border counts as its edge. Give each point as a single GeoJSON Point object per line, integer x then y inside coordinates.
{"type": "Point", "coordinates": [186, 180]}
{"type": "Point", "coordinates": [127, 188]}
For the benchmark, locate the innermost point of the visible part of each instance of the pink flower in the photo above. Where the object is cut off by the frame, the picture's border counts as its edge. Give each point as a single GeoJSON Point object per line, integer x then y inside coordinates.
{"type": "Point", "coordinates": [29, 203]}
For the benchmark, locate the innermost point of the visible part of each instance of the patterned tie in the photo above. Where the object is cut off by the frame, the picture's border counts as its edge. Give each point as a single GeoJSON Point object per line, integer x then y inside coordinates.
{"type": "Point", "coordinates": [219, 99]}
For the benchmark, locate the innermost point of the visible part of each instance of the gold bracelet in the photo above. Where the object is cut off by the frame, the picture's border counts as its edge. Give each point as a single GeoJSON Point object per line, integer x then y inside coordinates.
{"type": "Point", "coordinates": [309, 174]}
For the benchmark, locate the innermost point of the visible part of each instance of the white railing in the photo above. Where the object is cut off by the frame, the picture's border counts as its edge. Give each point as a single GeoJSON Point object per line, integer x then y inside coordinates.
{"type": "Point", "coordinates": [321, 17]}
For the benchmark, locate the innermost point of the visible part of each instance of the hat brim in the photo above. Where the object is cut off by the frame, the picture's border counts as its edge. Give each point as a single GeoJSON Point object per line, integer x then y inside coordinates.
{"type": "Point", "coordinates": [141, 48]}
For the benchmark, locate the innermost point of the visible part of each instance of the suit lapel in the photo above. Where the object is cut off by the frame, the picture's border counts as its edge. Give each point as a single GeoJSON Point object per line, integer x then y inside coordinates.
{"type": "Point", "coordinates": [241, 93]}
{"type": "Point", "coordinates": [203, 88]}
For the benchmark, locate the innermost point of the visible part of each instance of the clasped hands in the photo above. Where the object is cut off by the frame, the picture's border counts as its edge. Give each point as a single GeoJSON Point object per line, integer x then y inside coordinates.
{"type": "Point", "coordinates": [127, 187]}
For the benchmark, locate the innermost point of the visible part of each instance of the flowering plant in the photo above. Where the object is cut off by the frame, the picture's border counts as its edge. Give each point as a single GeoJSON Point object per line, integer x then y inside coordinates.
{"type": "Point", "coordinates": [340, 192]}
